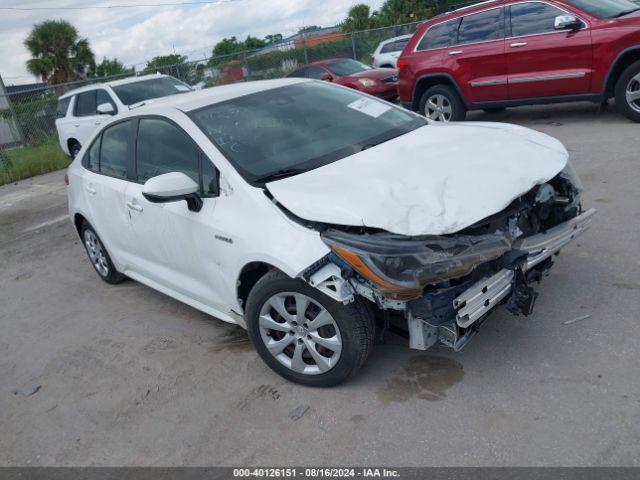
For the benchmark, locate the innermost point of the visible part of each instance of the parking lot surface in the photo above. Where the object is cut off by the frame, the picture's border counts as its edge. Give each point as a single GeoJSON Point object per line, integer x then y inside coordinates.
{"type": "Point", "coordinates": [129, 376]}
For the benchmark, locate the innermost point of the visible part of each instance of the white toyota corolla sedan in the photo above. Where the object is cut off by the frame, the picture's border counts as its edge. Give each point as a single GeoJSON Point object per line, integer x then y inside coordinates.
{"type": "Point", "coordinates": [315, 216]}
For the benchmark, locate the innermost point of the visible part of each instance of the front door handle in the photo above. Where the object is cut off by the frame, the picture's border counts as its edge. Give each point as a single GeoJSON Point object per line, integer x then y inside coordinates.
{"type": "Point", "coordinates": [134, 206]}
{"type": "Point", "coordinates": [91, 190]}
{"type": "Point", "coordinates": [519, 44]}
{"type": "Point", "coordinates": [455, 52]}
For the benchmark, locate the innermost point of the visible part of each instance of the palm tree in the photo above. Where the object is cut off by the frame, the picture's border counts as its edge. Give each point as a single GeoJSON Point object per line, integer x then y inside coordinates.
{"type": "Point", "coordinates": [59, 54]}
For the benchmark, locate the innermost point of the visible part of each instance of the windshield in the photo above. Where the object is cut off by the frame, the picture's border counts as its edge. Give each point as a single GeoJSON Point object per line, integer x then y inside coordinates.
{"type": "Point", "coordinates": [346, 67]}
{"type": "Point", "coordinates": [136, 92]}
{"type": "Point", "coordinates": [299, 127]}
{"type": "Point", "coordinates": [606, 8]}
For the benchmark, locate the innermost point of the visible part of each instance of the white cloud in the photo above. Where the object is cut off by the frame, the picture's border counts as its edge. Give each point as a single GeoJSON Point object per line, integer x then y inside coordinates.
{"type": "Point", "coordinates": [135, 35]}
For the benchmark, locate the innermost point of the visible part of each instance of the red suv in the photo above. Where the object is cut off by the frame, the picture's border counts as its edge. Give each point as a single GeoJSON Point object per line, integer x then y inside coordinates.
{"type": "Point", "coordinates": [504, 53]}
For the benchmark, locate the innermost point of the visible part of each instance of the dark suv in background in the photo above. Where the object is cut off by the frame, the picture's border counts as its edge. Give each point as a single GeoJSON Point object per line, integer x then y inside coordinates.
{"type": "Point", "coordinates": [504, 53]}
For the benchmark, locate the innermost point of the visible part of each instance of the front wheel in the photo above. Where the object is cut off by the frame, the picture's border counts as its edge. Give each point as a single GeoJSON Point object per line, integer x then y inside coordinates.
{"type": "Point", "coordinates": [305, 336]}
{"type": "Point", "coordinates": [442, 103]}
{"type": "Point", "coordinates": [627, 92]}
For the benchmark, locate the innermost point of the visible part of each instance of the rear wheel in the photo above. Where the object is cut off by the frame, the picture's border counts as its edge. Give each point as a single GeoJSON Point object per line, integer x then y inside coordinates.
{"type": "Point", "coordinates": [442, 103]}
{"type": "Point", "coordinates": [305, 336]}
{"type": "Point", "coordinates": [74, 150]}
{"type": "Point", "coordinates": [627, 92]}
{"type": "Point", "coordinates": [98, 255]}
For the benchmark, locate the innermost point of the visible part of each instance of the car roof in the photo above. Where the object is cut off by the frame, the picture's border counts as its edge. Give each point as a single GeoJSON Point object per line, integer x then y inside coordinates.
{"type": "Point", "coordinates": [113, 83]}
{"type": "Point", "coordinates": [395, 39]}
{"type": "Point", "coordinates": [190, 101]}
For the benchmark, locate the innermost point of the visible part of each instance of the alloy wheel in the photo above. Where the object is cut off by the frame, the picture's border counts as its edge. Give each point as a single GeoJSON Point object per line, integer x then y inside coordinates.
{"type": "Point", "coordinates": [632, 93]}
{"type": "Point", "coordinates": [438, 108]}
{"type": "Point", "coordinates": [300, 333]}
{"type": "Point", "coordinates": [96, 253]}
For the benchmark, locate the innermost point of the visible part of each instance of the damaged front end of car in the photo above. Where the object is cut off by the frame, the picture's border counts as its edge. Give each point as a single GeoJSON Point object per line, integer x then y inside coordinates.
{"type": "Point", "coordinates": [442, 288]}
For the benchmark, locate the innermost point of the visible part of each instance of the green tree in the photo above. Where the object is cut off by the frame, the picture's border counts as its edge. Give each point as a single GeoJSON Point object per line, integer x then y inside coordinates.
{"type": "Point", "coordinates": [253, 43]}
{"type": "Point", "coordinates": [164, 62]}
{"type": "Point", "coordinates": [227, 46]}
{"type": "Point", "coordinates": [276, 37]}
{"type": "Point", "coordinates": [58, 53]}
{"type": "Point", "coordinates": [108, 68]}
{"type": "Point", "coordinates": [359, 18]}
{"type": "Point", "coordinates": [309, 28]}
{"type": "Point", "coordinates": [176, 65]}
{"type": "Point", "coordinates": [396, 12]}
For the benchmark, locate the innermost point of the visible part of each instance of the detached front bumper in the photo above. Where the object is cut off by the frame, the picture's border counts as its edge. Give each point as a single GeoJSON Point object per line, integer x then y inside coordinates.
{"type": "Point", "coordinates": [478, 300]}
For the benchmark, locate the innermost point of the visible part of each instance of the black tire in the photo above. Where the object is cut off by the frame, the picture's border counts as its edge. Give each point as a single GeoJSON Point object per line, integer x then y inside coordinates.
{"type": "Point", "coordinates": [494, 110]}
{"type": "Point", "coordinates": [74, 150]}
{"type": "Point", "coordinates": [103, 265]}
{"type": "Point", "coordinates": [630, 79]}
{"type": "Point", "coordinates": [355, 325]}
{"type": "Point", "coordinates": [458, 109]}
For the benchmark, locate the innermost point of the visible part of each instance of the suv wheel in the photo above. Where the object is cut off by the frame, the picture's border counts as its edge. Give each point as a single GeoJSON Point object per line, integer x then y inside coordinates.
{"type": "Point", "coordinates": [74, 150]}
{"type": "Point", "coordinates": [628, 92]}
{"type": "Point", "coordinates": [442, 103]}
{"type": "Point", "coordinates": [98, 255]}
{"type": "Point", "coordinates": [305, 336]}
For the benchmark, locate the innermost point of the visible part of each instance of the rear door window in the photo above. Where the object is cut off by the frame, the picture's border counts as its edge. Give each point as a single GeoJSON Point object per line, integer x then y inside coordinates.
{"type": "Point", "coordinates": [91, 159]}
{"type": "Point", "coordinates": [86, 104]}
{"type": "Point", "coordinates": [114, 150]}
{"type": "Point", "coordinates": [63, 106]}
{"type": "Point", "coordinates": [533, 18]}
{"type": "Point", "coordinates": [439, 36]}
{"type": "Point", "coordinates": [482, 27]}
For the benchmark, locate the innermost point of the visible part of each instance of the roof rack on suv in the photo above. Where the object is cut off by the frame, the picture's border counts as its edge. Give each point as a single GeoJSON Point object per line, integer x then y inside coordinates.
{"type": "Point", "coordinates": [474, 4]}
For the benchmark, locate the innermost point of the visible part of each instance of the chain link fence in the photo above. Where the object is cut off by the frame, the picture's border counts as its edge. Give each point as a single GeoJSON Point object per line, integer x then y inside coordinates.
{"type": "Point", "coordinates": [28, 113]}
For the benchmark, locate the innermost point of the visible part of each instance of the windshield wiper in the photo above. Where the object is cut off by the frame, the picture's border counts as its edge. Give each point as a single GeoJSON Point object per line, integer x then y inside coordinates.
{"type": "Point", "coordinates": [626, 12]}
{"type": "Point", "coordinates": [284, 173]}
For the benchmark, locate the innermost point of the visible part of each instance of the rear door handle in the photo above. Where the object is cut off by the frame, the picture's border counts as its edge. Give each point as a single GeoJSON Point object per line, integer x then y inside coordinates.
{"type": "Point", "coordinates": [455, 52]}
{"type": "Point", "coordinates": [91, 190]}
{"type": "Point", "coordinates": [134, 206]}
{"type": "Point", "coordinates": [519, 44]}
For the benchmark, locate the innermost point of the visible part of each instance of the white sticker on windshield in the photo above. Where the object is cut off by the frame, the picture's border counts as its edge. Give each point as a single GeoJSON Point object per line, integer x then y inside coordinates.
{"type": "Point", "coordinates": [182, 88]}
{"type": "Point", "coordinates": [370, 107]}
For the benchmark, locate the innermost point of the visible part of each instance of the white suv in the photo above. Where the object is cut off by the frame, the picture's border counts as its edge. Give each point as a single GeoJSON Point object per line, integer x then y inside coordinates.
{"type": "Point", "coordinates": [387, 53]}
{"type": "Point", "coordinates": [312, 215]}
{"type": "Point", "coordinates": [82, 110]}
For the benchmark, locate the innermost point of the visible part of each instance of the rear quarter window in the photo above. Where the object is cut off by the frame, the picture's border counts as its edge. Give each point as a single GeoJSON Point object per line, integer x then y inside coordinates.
{"type": "Point", "coordinates": [439, 36]}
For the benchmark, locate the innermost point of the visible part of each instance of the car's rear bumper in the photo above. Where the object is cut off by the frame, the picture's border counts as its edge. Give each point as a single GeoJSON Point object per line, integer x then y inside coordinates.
{"type": "Point", "coordinates": [483, 296]}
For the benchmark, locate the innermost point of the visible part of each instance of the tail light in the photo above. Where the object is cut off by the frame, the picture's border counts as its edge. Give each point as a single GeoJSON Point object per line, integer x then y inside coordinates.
{"type": "Point", "coordinates": [373, 59]}
{"type": "Point", "coordinates": [66, 179]}
{"type": "Point", "coordinates": [402, 63]}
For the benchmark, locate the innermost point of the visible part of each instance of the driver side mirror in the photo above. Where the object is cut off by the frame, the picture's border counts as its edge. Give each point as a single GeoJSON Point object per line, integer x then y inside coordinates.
{"type": "Point", "coordinates": [567, 22]}
{"type": "Point", "coordinates": [173, 187]}
{"type": "Point", "coordinates": [106, 109]}
{"type": "Point", "coordinates": [326, 78]}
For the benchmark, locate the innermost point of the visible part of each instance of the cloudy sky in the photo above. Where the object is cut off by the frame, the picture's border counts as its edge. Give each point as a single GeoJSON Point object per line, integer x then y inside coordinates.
{"type": "Point", "coordinates": [134, 35]}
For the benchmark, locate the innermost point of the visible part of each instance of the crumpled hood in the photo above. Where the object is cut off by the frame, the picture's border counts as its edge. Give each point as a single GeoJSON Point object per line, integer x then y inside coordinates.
{"type": "Point", "coordinates": [435, 180]}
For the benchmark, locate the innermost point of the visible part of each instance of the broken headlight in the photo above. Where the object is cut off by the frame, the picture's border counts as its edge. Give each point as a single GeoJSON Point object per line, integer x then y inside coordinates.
{"type": "Point", "coordinates": [401, 267]}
